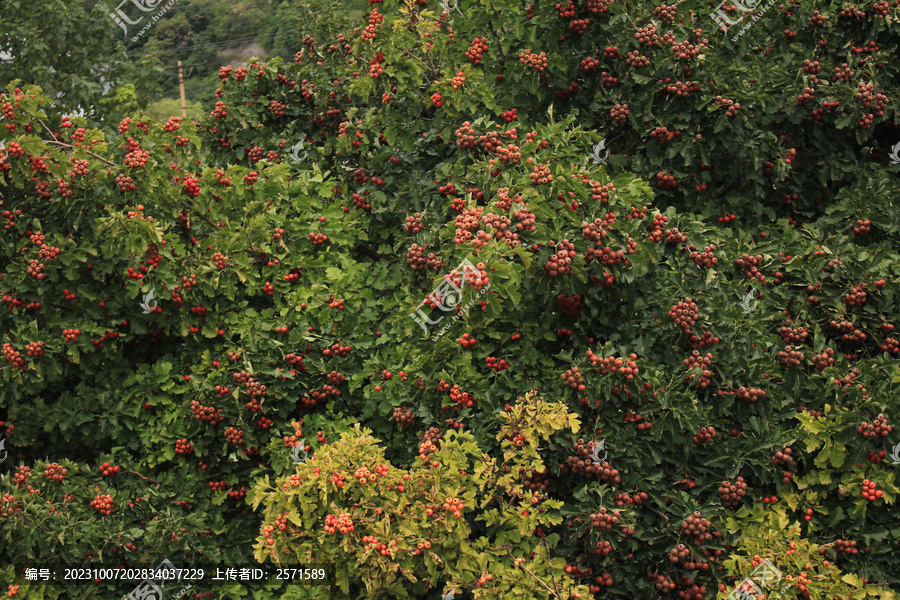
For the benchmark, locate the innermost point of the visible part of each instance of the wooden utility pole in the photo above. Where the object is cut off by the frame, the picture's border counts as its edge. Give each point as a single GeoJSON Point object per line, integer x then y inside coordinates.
{"type": "Point", "coordinates": [181, 87]}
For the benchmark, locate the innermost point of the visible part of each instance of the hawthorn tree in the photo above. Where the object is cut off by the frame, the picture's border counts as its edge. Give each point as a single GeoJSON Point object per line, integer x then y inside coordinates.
{"type": "Point", "coordinates": [185, 301]}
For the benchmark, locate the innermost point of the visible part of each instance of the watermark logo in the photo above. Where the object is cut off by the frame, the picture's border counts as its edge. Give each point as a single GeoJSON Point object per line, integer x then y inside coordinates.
{"type": "Point", "coordinates": [295, 152]}
{"type": "Point", "coordinates": [447, 296]}
{"type": "Point", "coordinates": [600, 152]}
{"type": "Point", "coordinates": [295, 452]}
{"type": "Point", "coordinates": [148, 298]}
{"type": "Point", "coordinates": [895, 154]}
{"type": "Point", "coordinates": [149, 589]}
{"type": "Point", "coordinates": [445, 4]}
{"type": "Point", "coordinates": [3, 448]}
{"type": "Point", "coordinates": [895, 454]}
{"type": "Point", "coordinates": [595, 453]}
{"type": "Point", "coordinates": [748, 303]}
{"type": "Point", "coordinates": [749, 589]}
{"type": "Point", "coordinates": [122, 20]}
{"type": "Point", "coordinates": [727, 18]}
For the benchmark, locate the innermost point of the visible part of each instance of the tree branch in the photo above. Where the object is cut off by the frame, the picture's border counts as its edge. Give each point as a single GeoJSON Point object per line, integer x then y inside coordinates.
{"type": "Point", "coordinates": [201, 215]}
{"type": "Point", "coordinates": [538, 579]}
{"type": "Point", "coordinates": [552, 576]}
{"type": "Point", "coordinates": [65, 145]}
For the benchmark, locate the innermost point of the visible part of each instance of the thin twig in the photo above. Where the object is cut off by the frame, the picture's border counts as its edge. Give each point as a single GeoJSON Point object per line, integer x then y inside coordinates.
{"type": "Point", "coordinates": [65, 145]}
{"type": "Point", "coordinates": [142, 477]}
{"type": "Point", "coordinates": [201, 215]}
{"type": "Point", "coordinates": [538, 579]}
{"type": "Point", "coordinates": [653, 510]}
{"type": "Point", "coordinates": [550, 565]}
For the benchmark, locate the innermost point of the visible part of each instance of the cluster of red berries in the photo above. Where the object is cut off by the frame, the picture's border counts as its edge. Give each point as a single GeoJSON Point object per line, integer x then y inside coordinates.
{"type": "Point", "coordinates": [336, 350]}
{"type": "Point", "coordinates": [857, 297]}
{"type": "Point", "coordinates": [750, 394]}
{"type": "Point", "coordinates": [601, 193]}
{"type": "Point", "coordinates": [191, 186]}
{"type": "Point", "coordinates": [219, 112]}
{"type": "Point", "coordinates": [458, 80]}
{"type": "Point", "coordinates": [14, 357]}
{"type": "Point", "coordinates": [567, 11]}
{"type": "Point", "coordinates": [414, 223]}
{"type": "Point", "coordinates": [455, 506]}
{"type": "Point", "coordinates": [705, 259]}
{"type": "Point", "coordinates": [103, 504]}
{"type": "Point", "coordinates": [890, 345]}
{"type": "Point", "coordinates": [698, 526]}
{"type": "Point", "coordinates": [789, 357]}
{"type": "Point", "coordinates": [535, 61]}
{"type": "Point", "coordinates": [220, 259]}
{"type": "Point", "coordinates": [496, 365]}
{"type": "Point", "coordinates": [206, 414]}
{"type": "Point", "coordinates": [663, 584]}
{"type": "Point", "coordinates": [570, 305]}
{"type": "Point", "coordinates": [560, 261]}
{"type": "Point", "coordinates": [604, 520]}
{"type": "Point", "coordinates": [574, 379]}
{"type": "Point", "coordinates": [541, 174]}
{"type": "Point", "coordinates": [845, 547]}
{"type": "Point", "coordinates": [637, 60]}
{"type": "Point", "coordinates": [685, 314]}
{"type": "Point", "coordinates": [870, 491]}
{"type": "Point", "coordinates": [108, 470]}
{"type": "Point", "coordinates": [783, 457]}
{"type": "Point", "coordinates": [824, 360]}
{"type": "Point", "coordinates": [183, 447]}
{"type": "Point", "coordinates": [663, 135]}
{"type": "Point", "coordinates": [620, 113]}
{"type": "Point", "coordinates": [218, 486]}
{"type": "Point", "coordinates": [646, 36]}
{"type": "Point", "coordinates": [34, 349]}
{"type": "Point", "coordinates": [403, 417]}
{"type": "Point", "coordinates": [733, 107]}
{"type": "Point", "coordinates": [695, 360]}
{"type": "Point", "coordinates": [626, 499]}
{"type": "Point", "coordinates": [627, 367]}
{"type": "Point", "coordinates": [590, 64]}
{"type": "Point", "coordinates": [666, 181]}
{"type": "Point", "coordinates": [584, 464]}
{"type": "Point", "coordinates": [476, 50]}
{"type": "Point", "coordinates": [681, 89]}
{"type": "Point", "coordinates": [732, 493]}
{"type": "Point", "coordinates": [467, 341]}
{"type": "Point", "coordinates": [234, 436]}
{"type": "Point", "coordinates": [862, 227]}
{"type": "Point", "coordinates": [510, 116]}
{"type": "Point", "coordinates": [685, 50]}
{"type": "Point", "coordinates": [817, 20]}
{"type": "Point", "coordinates": [679, 553]}
{"type": "Point", "coordinates": [878, 427]}
{"type": "Point", "coordinates": [54, 472]}
{"type": "Point", "coordinates": [136, 158]}
{"type": "Point", "coordinates": [854, 337]}
{"type": "Point", "coordinates": [705, 436]}
{"type": "Point", "coordinates": [125, 183]}
{"type": "Point", "coordinates": [318, 238]}
{"type": "Point", "coordinates": [21, 477]}
{"type": "Point", "coordinates": [794, 335]}
{"type": "Point", "coordinates": [594, 232]}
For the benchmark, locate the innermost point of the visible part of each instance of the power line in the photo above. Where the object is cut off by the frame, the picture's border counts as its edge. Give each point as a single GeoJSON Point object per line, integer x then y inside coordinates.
{"type": "Point", "coordinates": [212, 44]}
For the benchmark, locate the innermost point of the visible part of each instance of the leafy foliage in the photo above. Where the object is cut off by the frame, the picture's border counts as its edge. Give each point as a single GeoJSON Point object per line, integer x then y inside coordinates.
{"type": "Point", "coordinates": [273, 277]}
